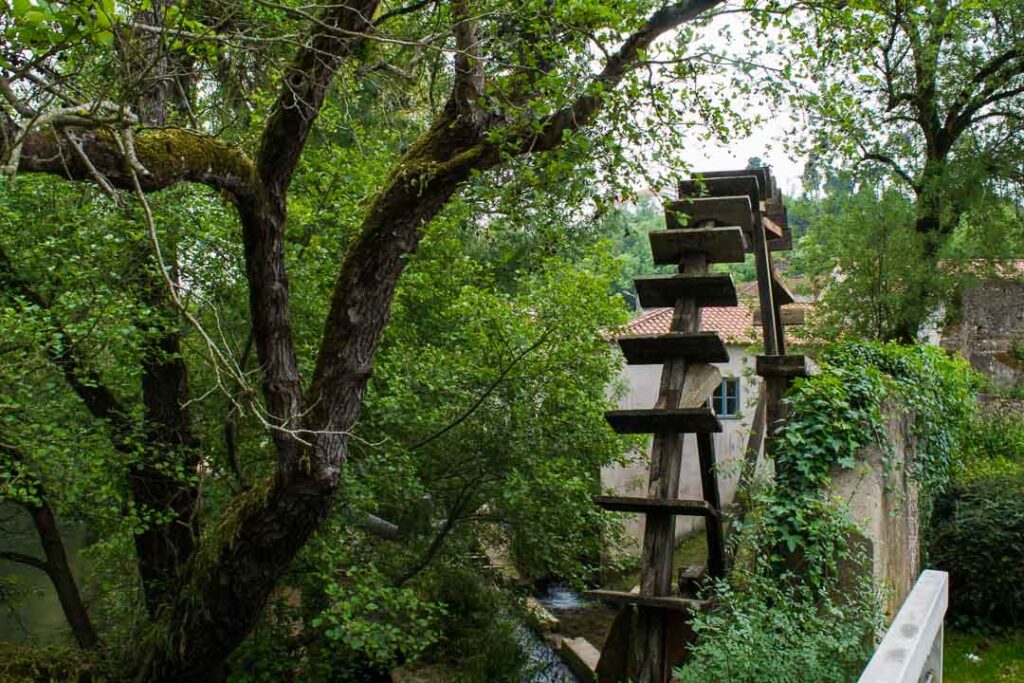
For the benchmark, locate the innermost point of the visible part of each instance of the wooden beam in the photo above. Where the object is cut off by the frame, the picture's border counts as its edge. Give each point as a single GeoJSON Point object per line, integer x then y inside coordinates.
{"type": "Point", "coordinates": [745, 185]}
{"type": "Point", "coordinates": [655, 349]}
{"type": "Point", "coordinates": [707, 289]}
{"type": "Point", "coordinates": [793, 365]}
{"type": "Point", "coordinates": [649, 657]}
{"type": "Point", "coordinates": [663, 420]}
{"type": "Point", "coordinates": [720, 244]}
{"type": "Point", "coordinates": [709, 488]}
{"type": "Point", "coordinates": [736, 210]}
{"type": "Point", "coordinates": [657, 602]}
{"type": "Point", "coordinates": [781, 293]}
{"type": "Point", "coordinates": [764, 178]}
{"type": "Point", "coordinates": [773, 230]}
{"type": "Point", "coordinates": [671, 506]}
{"type": "Point", "coordinates": [791, 315]}
{"type": "Point", "coordinates": [773, 343]}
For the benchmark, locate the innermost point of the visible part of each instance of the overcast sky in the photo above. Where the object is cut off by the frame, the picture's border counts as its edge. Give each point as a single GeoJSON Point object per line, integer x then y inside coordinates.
{"type": "Point", "coordinates": [767, 141]}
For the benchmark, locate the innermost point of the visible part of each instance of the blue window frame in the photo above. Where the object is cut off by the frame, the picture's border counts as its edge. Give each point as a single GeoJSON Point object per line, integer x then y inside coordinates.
{"type": "Point", "coordinates": [726, 399]}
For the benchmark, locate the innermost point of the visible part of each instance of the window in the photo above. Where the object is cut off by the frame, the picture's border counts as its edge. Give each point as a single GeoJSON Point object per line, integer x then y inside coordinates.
{"type": "Point", "coordinates": [726, 399]}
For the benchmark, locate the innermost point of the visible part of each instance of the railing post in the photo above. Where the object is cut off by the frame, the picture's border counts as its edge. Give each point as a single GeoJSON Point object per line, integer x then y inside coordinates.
{"type": "Point", "coordinates": [911, 651]}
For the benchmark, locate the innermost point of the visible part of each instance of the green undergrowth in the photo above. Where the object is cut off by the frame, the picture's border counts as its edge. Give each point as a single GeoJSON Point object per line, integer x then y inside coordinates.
{"type": "Point", "coordinates": [836, 413]}
{"type": "Point", "coordinates": [977, 531]}
{"type": "Point", "coordinates": [798, 605]}
{"type": "Point", "coordinates": [27, 664]}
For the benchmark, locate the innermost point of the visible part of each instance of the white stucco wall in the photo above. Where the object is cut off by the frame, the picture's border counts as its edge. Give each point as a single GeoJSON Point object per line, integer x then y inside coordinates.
{"type": "Point", "coordinates": [642, 392]}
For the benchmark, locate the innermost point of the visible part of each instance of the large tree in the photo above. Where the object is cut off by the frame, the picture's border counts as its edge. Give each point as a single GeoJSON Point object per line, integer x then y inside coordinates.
{"type": "Point", "coordinates": [117, 96]}
{"type": "Point", "coordinates": [932, 92]}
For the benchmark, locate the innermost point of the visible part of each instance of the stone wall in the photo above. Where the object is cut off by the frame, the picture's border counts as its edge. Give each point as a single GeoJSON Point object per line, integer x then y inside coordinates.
{"type": "Point", "coordinates": [992, 320]}
{"type": "Point", "coordinates": [884, 502]}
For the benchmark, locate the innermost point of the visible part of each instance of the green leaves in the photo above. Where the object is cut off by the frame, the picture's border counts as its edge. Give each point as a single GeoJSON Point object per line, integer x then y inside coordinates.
{"type": "Point", "coordinates": [836, 413]}
{"type": "Point", "coordinates": [40, 24]}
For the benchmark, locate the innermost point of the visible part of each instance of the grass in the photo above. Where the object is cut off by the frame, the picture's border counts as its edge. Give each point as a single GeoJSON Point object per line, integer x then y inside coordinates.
{"type": "Point", "coordinates": [970, 658]}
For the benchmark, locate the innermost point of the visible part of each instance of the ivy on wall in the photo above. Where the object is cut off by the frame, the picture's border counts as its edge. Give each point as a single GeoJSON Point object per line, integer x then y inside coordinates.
{"type": "Point", "coordinates": [842, 409]}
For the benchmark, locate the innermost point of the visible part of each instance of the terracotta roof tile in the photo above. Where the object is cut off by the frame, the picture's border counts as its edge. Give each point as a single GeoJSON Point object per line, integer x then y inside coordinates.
{"type": "Point", "coordinates": [733, 323]}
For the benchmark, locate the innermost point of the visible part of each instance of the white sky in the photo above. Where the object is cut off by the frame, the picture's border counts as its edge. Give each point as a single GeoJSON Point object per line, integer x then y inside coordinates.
{"type": "Point", "coordinates": [766, 141]}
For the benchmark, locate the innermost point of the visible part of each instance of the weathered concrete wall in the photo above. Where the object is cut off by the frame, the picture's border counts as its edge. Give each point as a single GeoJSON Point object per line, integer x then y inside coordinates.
{"type": "Point", "coordinates": [992, 320]}
{"type": "Point", "coordinates": [642, 392]}
{"type": "Point", "coordinates": [884, 502]}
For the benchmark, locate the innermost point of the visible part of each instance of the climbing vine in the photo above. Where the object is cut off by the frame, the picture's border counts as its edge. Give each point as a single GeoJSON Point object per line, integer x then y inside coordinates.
{"type": "Point", "coordinates": [843, 408]}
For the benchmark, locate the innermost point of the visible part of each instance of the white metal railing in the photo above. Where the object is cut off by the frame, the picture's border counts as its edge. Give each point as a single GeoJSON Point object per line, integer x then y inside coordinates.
{"type": "Point", "coordinates": [911, 651]}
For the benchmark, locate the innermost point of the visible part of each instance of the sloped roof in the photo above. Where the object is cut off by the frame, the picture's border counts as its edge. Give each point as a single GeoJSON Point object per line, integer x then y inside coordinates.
{"type": "Point", "coordinates": [733, 323]}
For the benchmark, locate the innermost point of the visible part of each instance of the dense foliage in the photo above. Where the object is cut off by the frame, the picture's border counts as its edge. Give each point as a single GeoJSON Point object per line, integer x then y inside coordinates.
{"type": "Point", "coordinates": [926, 98]}
{"type": "Point", "coordinates": [978, 527]}
{"type": "Point", "coordinates": [841, 409]}
{"type": "Point", "coordinates": [302, 306]}
{"type": "Point", "coordinates": [779, 625]}
{"type": "Point", "coordinates": [464, 438]}
{"type": "Point", "coordinates": [871, 267]}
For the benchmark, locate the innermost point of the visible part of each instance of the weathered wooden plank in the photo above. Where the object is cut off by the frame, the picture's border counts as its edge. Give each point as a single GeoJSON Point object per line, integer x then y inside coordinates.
{"type": "Point", "coordinates": [671, 506]}
{"type": "Point", "coordinates": [706, 289]}
{"type": "Point", "coordinates": [663, 420]}
{"type": "Point", "coordinates": [658, 602]}
{"type": "Point", "coordinates": [701, 381]}
{"type": "Point", "coordinates": [720, 244]}
{"type": "Point", "coordinates": [731, 186]}
{"type": "Point", "coordinates": [793, 365]}
{"type": "Point", "coordinates": [773, 230]}
{"type": "Point", "coordinates": [764, 178]}
{"type": "Point", "coordinates": [736, 210]}
{"type": "Point", "coordinates": [773, 339]}
{"type": "Point", "coordinates": [655, 349]}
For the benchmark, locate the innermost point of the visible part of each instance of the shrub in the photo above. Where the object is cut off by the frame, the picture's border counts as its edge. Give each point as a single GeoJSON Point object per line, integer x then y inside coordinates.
{"type": "Point", "coordinates": [786, 627]}
{"type": "Point", "coordinates": [480, 640]}
{"type": "Point", "coordinates": [27, 664]}
{"type": "Point", "coordinates": [978, 537]}
{"type": "Point", "coordinates": [977, 532]}
{"type": "Point", "coordinates": [796, 608]}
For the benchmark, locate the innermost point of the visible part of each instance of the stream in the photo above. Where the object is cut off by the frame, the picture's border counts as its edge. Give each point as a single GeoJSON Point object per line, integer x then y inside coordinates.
{"type": "Point", "coordinates": [544, 665]}
{"type": "Point", "coordinates": [577, 617]}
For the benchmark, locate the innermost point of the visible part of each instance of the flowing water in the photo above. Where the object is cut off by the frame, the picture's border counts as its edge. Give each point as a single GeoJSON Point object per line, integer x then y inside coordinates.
{"type": "Point", "coordinates": [559, 597]}
{"type": "Point", "coordinates": [544, 666]}
{"type": "Point", "coordinates": [577, 616]}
